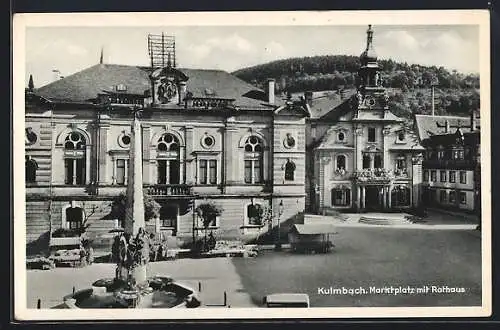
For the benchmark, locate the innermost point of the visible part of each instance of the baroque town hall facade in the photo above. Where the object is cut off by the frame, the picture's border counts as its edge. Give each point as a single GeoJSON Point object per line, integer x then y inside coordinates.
{"type": "Point", "coordinates": [210, 137]}
{"type": "Point", "coordinates": [364, 157]}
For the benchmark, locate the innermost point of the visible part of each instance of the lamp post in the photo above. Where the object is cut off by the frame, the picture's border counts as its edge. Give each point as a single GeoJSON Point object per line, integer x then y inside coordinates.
{"type": "Point", "coordinates": [277, 245]}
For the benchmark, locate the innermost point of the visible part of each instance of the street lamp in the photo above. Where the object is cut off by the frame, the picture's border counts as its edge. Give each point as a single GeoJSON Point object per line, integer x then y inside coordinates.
{"type": "Point", "coordinates": [277, 246]}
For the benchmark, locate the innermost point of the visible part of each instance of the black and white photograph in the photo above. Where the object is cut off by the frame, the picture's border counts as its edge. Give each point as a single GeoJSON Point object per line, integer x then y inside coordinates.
{"type": "Point", "coordinates": [252, 165]}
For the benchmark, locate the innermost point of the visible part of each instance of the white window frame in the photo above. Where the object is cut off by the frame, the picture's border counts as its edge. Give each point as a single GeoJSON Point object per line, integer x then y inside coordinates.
{"type": "Point", "coordinates": [252, 171]}
{"type": "Point", "coordinates": [464, 194]}
{"type": "Point", "coordinates": [115, 170]}
{"type": "Point", "coordinates": [207, 174]}
{"type": "Point", "coordinates": [464, 173]}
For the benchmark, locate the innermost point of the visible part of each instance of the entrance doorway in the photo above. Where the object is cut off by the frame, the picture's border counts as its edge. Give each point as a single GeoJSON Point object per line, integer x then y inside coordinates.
{"type": "Point", "coordinates": [372, 199]}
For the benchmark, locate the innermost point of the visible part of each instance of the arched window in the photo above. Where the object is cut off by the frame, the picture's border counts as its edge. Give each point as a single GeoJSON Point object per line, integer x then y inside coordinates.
{"type": "Point", "coordinates": [30, 166]}
{"type": "Point", "coordinates": [168, 159]}
{"type": "Point", "coordinates": [289, 170]}
{"type": "Point", "coordinates": [74, 158]}
{"type": "Point", "coordinates": [341, 162]}
{"type": "Point", "coordinates": [253, 159]}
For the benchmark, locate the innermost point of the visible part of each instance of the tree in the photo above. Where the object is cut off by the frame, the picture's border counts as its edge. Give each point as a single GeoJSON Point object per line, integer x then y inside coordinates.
{"type": "Point", "coordinates": [118, 207]}
{"type": "Point", "coordinates": [208, 212]}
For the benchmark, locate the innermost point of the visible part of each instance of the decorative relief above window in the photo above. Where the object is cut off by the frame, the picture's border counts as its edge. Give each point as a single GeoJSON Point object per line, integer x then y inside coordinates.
{"type": "Point", "coordinates": [289, 141]}
{"type": "Point", "coordinates": [124, 140]}
{"type": "Point", "coordinates": [30, 137]}
{"type": "Point", "coordinates": [207, 141]}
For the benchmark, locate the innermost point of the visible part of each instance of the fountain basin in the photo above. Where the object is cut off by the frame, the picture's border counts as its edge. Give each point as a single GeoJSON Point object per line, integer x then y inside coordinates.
{"type": "Point", "coordinates": [161, 292]}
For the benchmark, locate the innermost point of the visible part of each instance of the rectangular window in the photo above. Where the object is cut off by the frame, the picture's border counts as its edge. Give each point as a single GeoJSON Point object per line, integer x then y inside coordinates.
{"type": "Point", "coordinates": [463, 197]}
{"type": "Point", "coordinates": [426, 175]}
{"type": "Point", "coordinates": [203, 171]}
{"type": "Point", "coordinates": [120, 171]}
{"type": "Point", "coordinates": [440, 155]}
{"type": "Point", "coordinates": [256, 171]}
{"type": "Point", "coordinates": [162, 172]}
{"type": "Point", "coordinates": [168, 216]}
{"type": "Point", "coordinates": [68, 171]}
{"type": "Point", "coordinates": [433, 176]}
{"type": "Point", "coordinates": [442, 176]}
{"type": "Point", "coordinates": [463, 177]}
{"type": "Point", "coordinates": [213, 171]}
{"type": "Point", "coordinates": [452, 197]}
{"type": "Point", "coordinates": [442, 196]}
{"type": "Point", "coordinates": [248, 171]}
{"type": "Point", "coordinates": [74, 169]}
{"type": "Point", "coordinates": [452, 177]}
{"type": "Point", "coordinates": [371, 134]}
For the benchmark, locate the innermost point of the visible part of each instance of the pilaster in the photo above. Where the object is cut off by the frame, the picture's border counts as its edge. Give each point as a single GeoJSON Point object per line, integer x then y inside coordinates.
{"type": "Point", "coordinates": [190, 174]}
{"type": "Point", "coordinates": [103, 148]}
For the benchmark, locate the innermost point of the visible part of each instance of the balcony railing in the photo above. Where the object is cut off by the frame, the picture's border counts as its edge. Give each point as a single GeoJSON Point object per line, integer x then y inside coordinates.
{"type": "Point", "coordinates": [168, 189]}
{"type": "Point", "coordinates": [401, 174]}
{"type": "Point", "coordinates": [373, 175]}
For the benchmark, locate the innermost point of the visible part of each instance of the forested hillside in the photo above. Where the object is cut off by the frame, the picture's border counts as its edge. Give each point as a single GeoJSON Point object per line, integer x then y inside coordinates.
{"type": "Point", "coordinates": [410, 85]}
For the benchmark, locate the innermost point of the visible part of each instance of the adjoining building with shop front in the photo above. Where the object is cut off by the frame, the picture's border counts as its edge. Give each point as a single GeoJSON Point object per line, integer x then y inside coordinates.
{"type": "Point", "coordinates": [207, 137]}
{"type": "Point", "coordinates": [452, 161]}
{"type": "Point", "coordinates": [361, 156]}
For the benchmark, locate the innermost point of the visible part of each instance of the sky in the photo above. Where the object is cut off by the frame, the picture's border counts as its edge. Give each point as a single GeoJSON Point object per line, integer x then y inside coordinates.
{"type": "Point", "coordinates": [71, 49]}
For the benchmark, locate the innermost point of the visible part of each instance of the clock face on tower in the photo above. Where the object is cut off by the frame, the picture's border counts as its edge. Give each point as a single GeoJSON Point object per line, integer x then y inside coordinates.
{"type": "Point", "coordinates": [370, 101]}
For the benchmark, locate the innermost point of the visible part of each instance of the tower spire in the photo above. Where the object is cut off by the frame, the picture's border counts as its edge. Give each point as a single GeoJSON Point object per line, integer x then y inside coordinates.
{"type": "Point", "coordinates": [31, 85]}
{"type": "Point", "coordinates": [369, 37]}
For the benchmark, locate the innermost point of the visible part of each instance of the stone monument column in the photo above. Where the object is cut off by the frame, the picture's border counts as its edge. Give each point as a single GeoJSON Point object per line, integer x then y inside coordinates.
{"type": "Point", "coordinates": [134, 212]}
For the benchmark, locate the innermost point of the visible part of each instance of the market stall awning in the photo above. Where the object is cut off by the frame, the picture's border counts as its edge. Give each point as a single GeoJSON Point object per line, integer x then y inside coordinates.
{"type": "Point", "coordinates": [314, 229]}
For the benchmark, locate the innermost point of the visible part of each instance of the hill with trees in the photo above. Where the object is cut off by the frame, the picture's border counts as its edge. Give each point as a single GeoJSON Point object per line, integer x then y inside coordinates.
{"type": "Point", "coordinates": [409, 84]}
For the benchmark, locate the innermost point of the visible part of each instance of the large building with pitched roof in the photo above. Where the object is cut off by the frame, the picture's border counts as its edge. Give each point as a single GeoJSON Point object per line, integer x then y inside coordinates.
{"type": "Point", "coordinates": [452, 161]}
{"type": "Point", "coordinates": [361, 156]}
{"type": "Point", "coordinates": [208, 137]}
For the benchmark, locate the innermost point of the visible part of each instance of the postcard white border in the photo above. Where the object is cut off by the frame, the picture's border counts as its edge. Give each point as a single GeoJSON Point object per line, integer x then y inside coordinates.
{"type": "Point", "coordinates": [421, 17]}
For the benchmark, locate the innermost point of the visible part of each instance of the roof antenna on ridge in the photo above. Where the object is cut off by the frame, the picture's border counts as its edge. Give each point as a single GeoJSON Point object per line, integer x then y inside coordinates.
{"type": "Point", "coordinates": [101, 59]}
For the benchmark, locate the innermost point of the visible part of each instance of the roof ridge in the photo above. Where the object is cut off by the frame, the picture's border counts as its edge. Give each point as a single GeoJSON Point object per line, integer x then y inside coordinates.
{"type": "Point", "coordinates": [438, 116]}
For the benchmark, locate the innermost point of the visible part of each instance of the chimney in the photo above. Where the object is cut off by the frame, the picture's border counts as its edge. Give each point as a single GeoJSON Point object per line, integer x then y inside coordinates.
{"type": "Point", "coordinates": [308, 96]}
{"type": "Point", "coordinates": [270, 90]}
{"type": "Point", "coordinates": [472, 121]}
{"type": "Point", "coordinates": [446, 127]}
{"type": "Point", "coordinates": [182, 91]}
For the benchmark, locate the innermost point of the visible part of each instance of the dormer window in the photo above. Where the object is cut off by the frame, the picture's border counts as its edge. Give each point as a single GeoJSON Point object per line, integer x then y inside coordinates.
{"type": "Point", "coordinates": [401, 136]}
{"type": "Point", "coordinates": [121, 88]}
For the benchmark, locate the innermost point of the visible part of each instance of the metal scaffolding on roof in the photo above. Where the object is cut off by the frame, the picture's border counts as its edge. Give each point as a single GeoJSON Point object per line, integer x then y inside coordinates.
{"type": "Point", "coordinates": [162, 50]}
